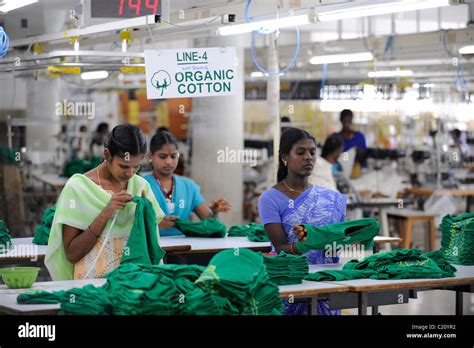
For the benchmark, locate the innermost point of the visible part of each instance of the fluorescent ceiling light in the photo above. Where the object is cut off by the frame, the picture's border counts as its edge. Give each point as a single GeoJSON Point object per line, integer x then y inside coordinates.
{"type": "Point", "coordinates": [374, 8]}
{"type": "Point", "coordinates": [391, 73]}
{"type": "Point", "coordinates": [467, 50]}
{"type": "Point", "coordinates": [342, 58]}
{"type": "Point", "coordinates": [94, 75]}
{"type": "Point", "coordinates": [10, 5]}
{"type": "Point", "coordinates": [256, 74]}
{"type": "Point", "coordinates": [266, 25]}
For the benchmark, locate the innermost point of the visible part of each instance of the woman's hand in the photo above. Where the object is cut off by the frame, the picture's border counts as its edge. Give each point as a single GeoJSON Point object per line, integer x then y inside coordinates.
{"type": "Point", "coordinates": [117, 202]}
{"type": "Point", "coordinates": [167, 222]}
{"type": "Point", "coordinates": [300, 232]}
{"type": "Point", "coordinates": [220, 206]}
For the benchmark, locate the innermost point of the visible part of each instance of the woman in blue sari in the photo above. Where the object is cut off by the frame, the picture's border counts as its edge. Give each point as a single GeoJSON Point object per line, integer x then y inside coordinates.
{"type": "Point", "coordinates": [177, 196]}
{"type": "Point", "coordinates": [293, 201]}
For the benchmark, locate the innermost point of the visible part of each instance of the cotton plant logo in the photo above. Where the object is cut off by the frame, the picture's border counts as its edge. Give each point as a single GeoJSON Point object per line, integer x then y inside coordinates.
{"type": "Point", "coordinates": [161, 80]}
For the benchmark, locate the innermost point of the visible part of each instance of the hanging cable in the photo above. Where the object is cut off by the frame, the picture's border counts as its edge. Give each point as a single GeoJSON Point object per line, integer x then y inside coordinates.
{"type": "Point", "coordinates": [262, 31]}
{"type": "Point", "coordinates": [4, 43]}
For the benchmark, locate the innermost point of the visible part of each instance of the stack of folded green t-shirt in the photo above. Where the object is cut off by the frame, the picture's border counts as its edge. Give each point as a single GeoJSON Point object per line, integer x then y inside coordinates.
{"type": "Point", "coordinates": [254, 232]}
{"type": "Point", "coordinates": [42, 231]}
{"type": "Point", "coordinates": [210, 228]}
{"type": "Point", "coordinates": [457, 238]}
{"type": "Point", "coordinates": [5, 238]}
{"type": "Point", "coordinates": [241, 277]}
{"type": "Point", "coordinates": [285, 269]}
{"type": "Point", "coordinates": [136, 289]}
{"type": "Point", "coordinates": [397, 264]}
{"type": "Point", "coordinates": [341, 233]}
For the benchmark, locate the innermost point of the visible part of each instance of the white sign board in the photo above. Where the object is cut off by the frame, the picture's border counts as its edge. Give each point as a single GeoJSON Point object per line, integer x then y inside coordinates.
{"type": "Point", "coordinates": [192, 72]}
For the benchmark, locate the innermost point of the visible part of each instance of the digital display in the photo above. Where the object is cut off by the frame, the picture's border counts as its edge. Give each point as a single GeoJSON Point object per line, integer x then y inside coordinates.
{"type": "Point", "coordinates": [124, 8]}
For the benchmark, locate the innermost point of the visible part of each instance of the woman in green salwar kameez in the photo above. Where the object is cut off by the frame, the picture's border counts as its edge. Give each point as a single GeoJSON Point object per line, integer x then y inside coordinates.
{"type": "Point", "coordinates": [94, 215]}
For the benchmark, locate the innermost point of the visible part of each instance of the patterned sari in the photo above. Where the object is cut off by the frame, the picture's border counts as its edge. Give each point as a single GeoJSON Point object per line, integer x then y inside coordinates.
{"type": "Point", "coordinates": [317, 206]}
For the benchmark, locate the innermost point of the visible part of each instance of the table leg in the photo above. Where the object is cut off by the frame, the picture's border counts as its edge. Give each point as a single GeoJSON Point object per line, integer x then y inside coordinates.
{"type": "Point", "coordinates": [362, 303]}
{"type": "Point", "coordinates": [469, 202]}
{"type": "Point", "coordinates": [376, 248]}
{"type": "Point", "coordinates": [314, 305]}
{"type": "Point", "coordinates": [459, 302]}
{"type": "Point", "coordinates": [375, 310]}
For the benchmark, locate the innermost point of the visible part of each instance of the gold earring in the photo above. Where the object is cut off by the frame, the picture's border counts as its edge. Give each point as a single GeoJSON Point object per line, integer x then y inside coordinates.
{"type": "Point", "coordinates": [285, 163]}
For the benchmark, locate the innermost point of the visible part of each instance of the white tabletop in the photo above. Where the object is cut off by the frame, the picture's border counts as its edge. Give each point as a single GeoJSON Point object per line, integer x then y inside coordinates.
{"type": "Point", "coordinates": [212, 244]}
{"type": "Point", "coordinates": [53, 180]}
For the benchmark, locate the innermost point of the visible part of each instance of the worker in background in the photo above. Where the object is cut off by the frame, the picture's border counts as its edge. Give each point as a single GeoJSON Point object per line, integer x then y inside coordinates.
{"type": "Point", "coordinates": [327, 164]}
{"type": "Point", "coordinates": [97, 144]}
{"type": "Point", "coordinates": [353, 138]}
{"type": "Point", "coordinates": [177, 196]}
{"type": "Point", "coordinates": [460, 144]}
{"type": "Point", "coordinates": [79, 144]}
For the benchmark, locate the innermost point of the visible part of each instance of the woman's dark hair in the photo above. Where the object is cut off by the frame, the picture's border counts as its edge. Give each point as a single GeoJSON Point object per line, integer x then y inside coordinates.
{"type": "Point", "coordinates": [125, 139]}
{"type": "Point", "coordinates": [332, 143]}
{"type": "Point", "coordinates": [102, 128]}
{"type": "Point", "coordinates": [288, 138]}
{"type": "Point", "coordinates": [160, 139]}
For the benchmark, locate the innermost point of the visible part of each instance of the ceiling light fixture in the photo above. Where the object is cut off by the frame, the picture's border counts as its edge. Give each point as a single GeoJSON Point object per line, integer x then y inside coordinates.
{"type": "Point", "coordinates": [342, 58]}
{"type": "Point", "coordinates": [10, 5]}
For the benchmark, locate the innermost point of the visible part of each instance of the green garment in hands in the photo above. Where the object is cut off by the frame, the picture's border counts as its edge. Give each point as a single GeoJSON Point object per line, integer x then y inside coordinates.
{"type": "Point", "coordinates": [42, 231]}
{"type": "Point", "coordinates": [142, 245]}
{"type": "Point", "coordinates": [5, 238]}
{"type": "Point", "coordinates": [7, 156]}
{"type": "Point", "coordinates": [348, 232]}
{"type": "Point", "coordinates": [210, 228]}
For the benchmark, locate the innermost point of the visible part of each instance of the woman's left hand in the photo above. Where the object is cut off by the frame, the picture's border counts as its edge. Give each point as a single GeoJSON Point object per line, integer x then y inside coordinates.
{"type": "Point", "coordinates": [220, 206]}
{"type": "Point", "coordinates": [300, 232]}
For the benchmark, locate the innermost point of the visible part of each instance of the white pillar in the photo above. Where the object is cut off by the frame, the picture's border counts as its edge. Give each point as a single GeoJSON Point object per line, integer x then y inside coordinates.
{"type": "Point", "coordinates": [217, 123]}
{"type": "Point", "coordinates": [273, 99]}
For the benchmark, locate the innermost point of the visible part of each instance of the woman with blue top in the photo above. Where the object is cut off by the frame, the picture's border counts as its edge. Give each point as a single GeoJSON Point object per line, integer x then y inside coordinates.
{"type": "Point", "coordinates": [177, 196]}
{"type": "Point", "coordinates": [294, 201]}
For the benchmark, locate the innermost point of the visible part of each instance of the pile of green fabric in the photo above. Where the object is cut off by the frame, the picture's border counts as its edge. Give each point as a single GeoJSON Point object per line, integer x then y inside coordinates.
{"type": "Point", "coordinates": [7, 156]}
{"type": "Point", "coordinates": [77, 166]}
{"type": "Point", "coordinates": [240, 276]}
{"type": "Point", "coordinates": [397, 264]}
{"type": "Point", "coordinates": [5, 238]}
{"type": "Point", "coordinates": [457, 239]}
{"type": "Point", "coordinates": [210, 228]}
{"type": "Point", "coordinates": [348, 232]}
{"type": "Point", "coordinates": [285, 269]}
{"type": "Point", "coordinates": [137, 289]}
{"type": "Point", "coordinates": [254, 232]}
{"type": "Point", "coordinates": [42, 231]}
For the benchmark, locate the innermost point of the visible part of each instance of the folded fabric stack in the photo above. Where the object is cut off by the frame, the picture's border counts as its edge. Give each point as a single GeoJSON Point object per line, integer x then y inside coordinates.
{"type": "Point", "coordinates": [397, 264]}
{"type": "Point", "coordinates": [341, 233]}
{"type": "Point", "coordinates": [254, 232]}
{"type": "Point", "coordinates": [134, 289]}
{"type": "Point", "coordinates": [285, 269]}
{"type": "Point", "coordinates": [5, 238]}
{"type": "Point", "coordinates": [240, 276]}
{"type": "Point", "coordinates": [457, 239]}
{"type": "Point", "coordinates": [210, 228]}
{"type": "Point", "coordinates": [42, 231]}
